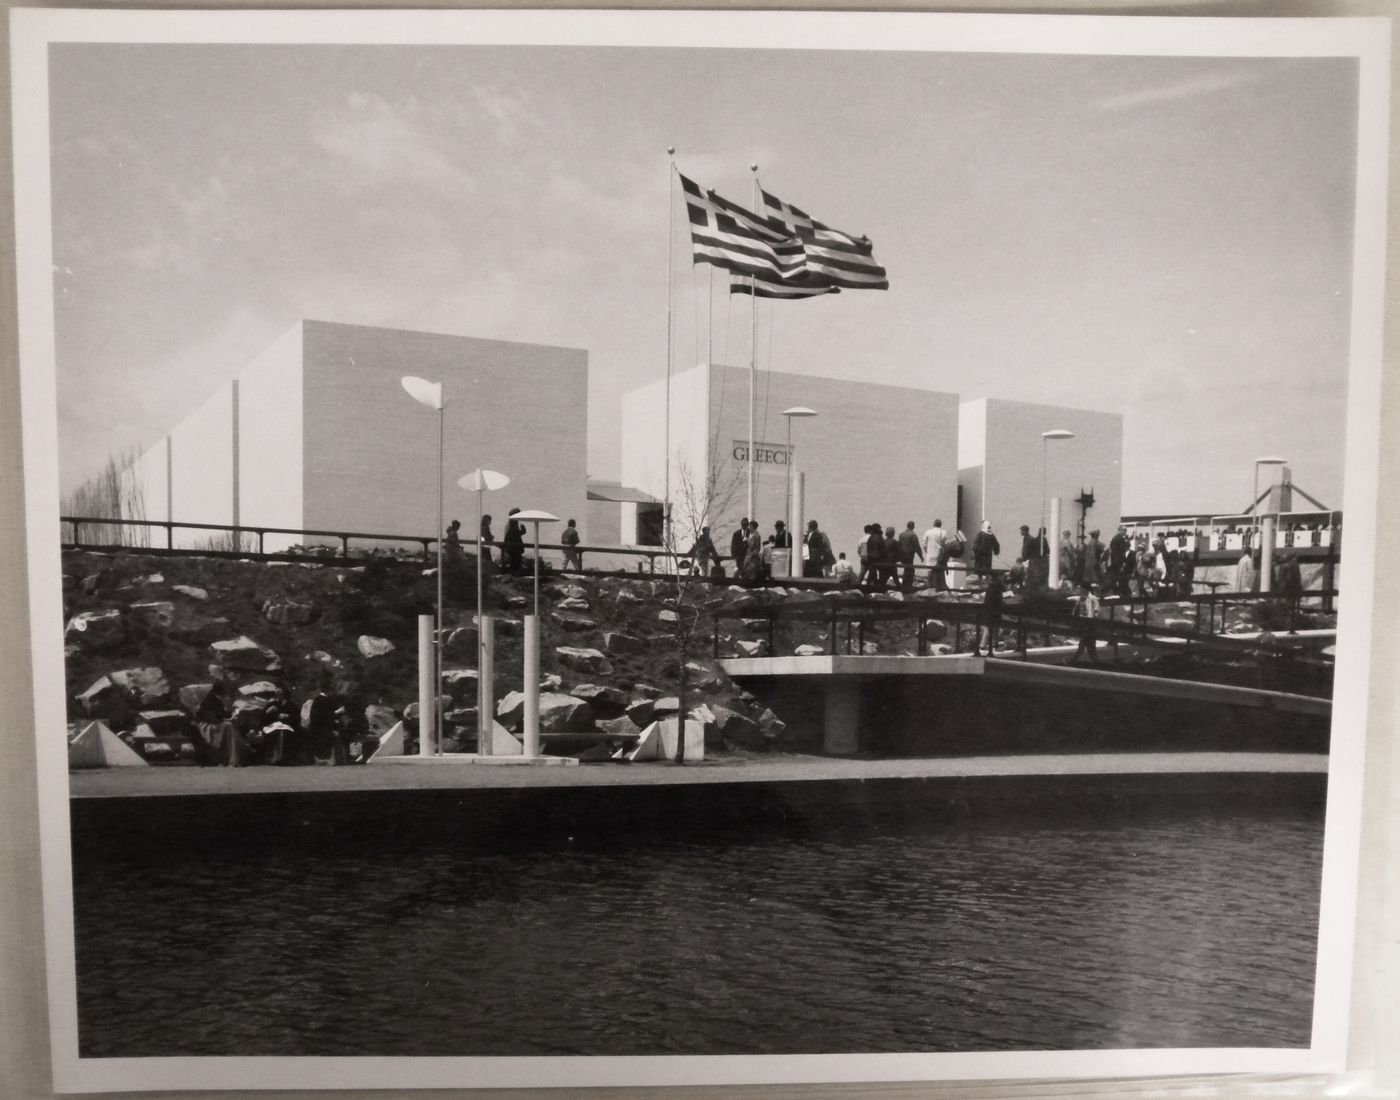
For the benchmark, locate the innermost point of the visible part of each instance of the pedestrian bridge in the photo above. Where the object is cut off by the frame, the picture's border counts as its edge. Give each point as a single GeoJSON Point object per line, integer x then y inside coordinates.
{"type": "Point", "coordinates": [846, 682]}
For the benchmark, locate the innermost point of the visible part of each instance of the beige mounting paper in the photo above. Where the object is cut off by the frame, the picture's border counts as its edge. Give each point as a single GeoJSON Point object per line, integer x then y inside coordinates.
{"type": "Point", "coordinates": [42, 352]}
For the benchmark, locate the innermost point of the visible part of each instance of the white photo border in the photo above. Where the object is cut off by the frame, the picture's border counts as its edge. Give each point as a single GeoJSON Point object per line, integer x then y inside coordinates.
{"type": "Point", "coordinates": [1365, 39]}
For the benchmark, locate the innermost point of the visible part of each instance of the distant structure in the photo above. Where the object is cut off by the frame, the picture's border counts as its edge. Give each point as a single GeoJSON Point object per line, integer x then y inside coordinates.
{"type": "Point", "coordinates": [316, 433]}
{"type": "Point", "coordinates": [872, 452]}
{"type": "Point", "coordinates": [1004, 459]}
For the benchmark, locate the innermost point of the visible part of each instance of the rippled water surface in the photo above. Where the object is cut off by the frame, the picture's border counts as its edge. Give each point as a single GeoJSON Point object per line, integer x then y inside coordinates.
{"type": "Point", "coordinates": [1170, 931]}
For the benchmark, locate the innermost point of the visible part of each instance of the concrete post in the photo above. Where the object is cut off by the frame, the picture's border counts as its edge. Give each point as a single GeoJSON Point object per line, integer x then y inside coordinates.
{"type": "Point", "coordinates": [486, 689]}
{"type": "Point", "coordinates": [427, 696]}
{"type": "Point", "coordinates": [532, 685]}
{"type": "Point", "coordinates": [1053, 534]}
{"type": "Point", "coordinates": [1266, 553]}
{"type": "Point", "coordinates": [797, 521]}
{"type": "Point", "coordinates": [841, 717]}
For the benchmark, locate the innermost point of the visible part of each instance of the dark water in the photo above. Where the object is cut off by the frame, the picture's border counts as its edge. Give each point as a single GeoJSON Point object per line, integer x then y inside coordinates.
{"type": "Point", "coordinates": [1071, 931]}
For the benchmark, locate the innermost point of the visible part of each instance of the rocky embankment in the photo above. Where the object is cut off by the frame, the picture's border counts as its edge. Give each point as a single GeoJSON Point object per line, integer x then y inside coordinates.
{"type": "Point", "coordinates": [148, 638]}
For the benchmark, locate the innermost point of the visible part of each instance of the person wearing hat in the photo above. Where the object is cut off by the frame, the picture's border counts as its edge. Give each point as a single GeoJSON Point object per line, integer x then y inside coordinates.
{"type": "Point", "coordinates": [1091, 565]}
{"type": "Point", "coordinates": [513, 543]}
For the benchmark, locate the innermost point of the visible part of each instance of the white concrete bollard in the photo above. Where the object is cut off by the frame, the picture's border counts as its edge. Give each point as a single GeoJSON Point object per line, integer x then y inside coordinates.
{"type": "Point", "coordinates": [485, 686]}
{"type": "Point", "coordinates": [427, 687]}
{"type": "Point", "coordinates": [1266, 554]}
{"type": "Point", "coordinates": [798, 522]}
{"type": "Point", "coordinates": [532, 685]}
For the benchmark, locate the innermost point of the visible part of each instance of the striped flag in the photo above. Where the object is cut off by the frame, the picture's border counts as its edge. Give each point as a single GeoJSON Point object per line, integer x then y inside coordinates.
{"type": "Point", "coordinates": [726, 235]}
{"type": "Point", "coordinates": [799, 286]}
{"type": "Point", "coordinates": [840, 258]}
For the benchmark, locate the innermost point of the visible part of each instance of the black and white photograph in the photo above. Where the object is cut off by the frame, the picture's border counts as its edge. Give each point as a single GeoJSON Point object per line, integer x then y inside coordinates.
{"type": "Point", "coordinates": [604, 548]}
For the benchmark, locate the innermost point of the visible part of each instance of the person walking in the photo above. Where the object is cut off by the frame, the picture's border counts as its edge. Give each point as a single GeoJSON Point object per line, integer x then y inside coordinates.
{"type": "Point", "coordinates": [753, 555]}
{"type": "Point", "coordinates": [986, 639]}
{"type": "Point", "coordinates": [1035, 552]}
{"type": "Point", "coordinates": [739, 546]}
{"type": "Point", "coordinates": [1086, 617]}
{"type": "Point", "coordinates": [819, 557]}
{"type": "Point", "coordinates": [1091, 564]}
{"type": "Point", "coordinates": [936, 541]}
{"type": "Point", "coordinates": [863, 553]}
{"type": "Point", "coordinates": [985, 547]}
{"type": "Point", "coordinates": [569, 539]}
{"type": "Point", "coordinates": [703, 553]}
{"type": "Point", "coordinates": [485, 540]}
{"type": "Point", "coordinates": [907, 545]}
{"type": "Point", "coordinates": [1069, 557]}
{"type": "Point", "coordinates": [1119, 548]}
{"type": "Point", "coordinates": [513, 544]}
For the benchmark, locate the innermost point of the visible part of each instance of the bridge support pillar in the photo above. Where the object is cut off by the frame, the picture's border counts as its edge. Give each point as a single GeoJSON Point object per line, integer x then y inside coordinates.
{"type": "Point", "coordinates": [841, 717]}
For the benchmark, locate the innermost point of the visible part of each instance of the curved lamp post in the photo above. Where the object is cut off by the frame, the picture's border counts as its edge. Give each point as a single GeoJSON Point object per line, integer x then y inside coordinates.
{"type": "Point", "coordinates": [430, 394]}
{"type": "Point", "coordinates": [1267, 460]}
{"type": "Point", "coordinates": [478, 482]}
{"type": "Point", "coordinates": [1052, 541]}
{"type": "Point", "coordinates": [796, 412]}
{"type": "Point", "coordinates": [532, 640]}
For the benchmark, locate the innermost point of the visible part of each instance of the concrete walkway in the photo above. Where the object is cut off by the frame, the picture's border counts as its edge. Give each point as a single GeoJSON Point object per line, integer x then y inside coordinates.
{"type": "Point", "coordinates": [776, 768]}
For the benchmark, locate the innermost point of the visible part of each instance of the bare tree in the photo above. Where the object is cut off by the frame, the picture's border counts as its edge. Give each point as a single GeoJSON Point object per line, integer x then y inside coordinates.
{"type": "Point", "coordinates": [698, 498]}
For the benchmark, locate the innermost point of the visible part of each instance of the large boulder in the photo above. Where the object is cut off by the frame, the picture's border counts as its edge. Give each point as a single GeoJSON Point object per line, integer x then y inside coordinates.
{"type": "Point", "coordinates": [666, 615]}
{"type": "Point", "coordinates": [589, 661]}
{"type": "Point", "coordinates": [771, 724]}
{"type": "Point", "coordinates": [809, 651]}
{"type": "Point", "coordinates": [95, 629]}
{"type": "Point", "coordinates": [617, 642]}
{"type": "Point", "coordinates": [371, 646]}
{"type": "Point", "coordinates": [738, 729]}
{"type": "Point", "coordinates": [462, 680]}
{"type": "Point", "coordinates": [321, 657]}
{"type": "Point", "coordinates": [606, 701]}
{"type": "Point", "coordinates": [935, 630]}
{"type": "Point", "coordinates": [191, 591]}
{"type": "Point", "coordinates": [380, 718]}
{"type": "Point", "coordinates": [104, 699]}
{"type": "Point", "coordinates": [281, 612]}
{"type": "Point", "coordinates": [159, 614]}
{"type": "Point", "coordinates": [242, 654]}
{"type": "Point", "coordinates": [619, 727]}
{"type": "Point", "coordinates": [758, 648]}
{"type": "Point", "coordinates": [703, 677]}
{"type": "Point", "coordinates": [576, 624]}
{"type": "Point", "coordinates": [192, 696]}
{"type": "Point", "coordinates": [573, 603]}
{"type": "Point", "coordinates": [640, 712]}
{"type": "Point", "coordinates": [558, 713]}
{"type": "Point", "coordinates": [143, 686]}
{"type": "Point", "coordinates": [667, 704]}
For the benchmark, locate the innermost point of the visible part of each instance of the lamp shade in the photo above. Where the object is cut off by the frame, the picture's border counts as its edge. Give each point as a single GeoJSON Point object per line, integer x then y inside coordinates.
{"type": "Point", "coordinates": [1057, 433]}
{"type": "Point", "coordinates": [799, 410]}
{"type": "Point", "coordinates": [479, 481]}
{"type": "Point", "coordinates": [534, 515]}
{"type": "Point", "coordinates": [423, 391]}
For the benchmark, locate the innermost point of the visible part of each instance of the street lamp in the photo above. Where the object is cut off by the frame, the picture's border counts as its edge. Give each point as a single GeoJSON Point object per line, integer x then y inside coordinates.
{"type": "Point", "coordinates": [1045, 437]}
{"type": "Point", "coordinates": [532, 641]}
{"type": "Point", "coordinates": [430, 394]}
{"type": "Point", "coordinates": [797, 411]}
{"type": "Point", "coordinates": [478, 482]}
{"type": "Point", "coordinates": [1267, 460]}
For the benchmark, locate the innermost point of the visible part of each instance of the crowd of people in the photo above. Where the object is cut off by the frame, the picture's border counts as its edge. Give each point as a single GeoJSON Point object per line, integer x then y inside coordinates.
{"type": "Point", "coordinates": [323, 731]}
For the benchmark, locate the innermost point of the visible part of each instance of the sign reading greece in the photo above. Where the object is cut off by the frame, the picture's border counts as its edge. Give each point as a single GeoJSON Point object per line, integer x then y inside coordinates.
{"type": "Point", "coordinates": [764, 454]}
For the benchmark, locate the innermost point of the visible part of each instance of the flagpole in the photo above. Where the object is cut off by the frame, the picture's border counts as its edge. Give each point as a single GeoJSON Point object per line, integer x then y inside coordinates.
{"type": "Point", "coordinates": [753, 373]}
{"type": "Point", "coordinates": [670, 296]}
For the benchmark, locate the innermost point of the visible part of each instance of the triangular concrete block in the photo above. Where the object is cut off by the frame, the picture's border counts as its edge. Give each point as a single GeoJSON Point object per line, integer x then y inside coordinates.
{"type": "Point", "coordinates": [98, 747]}
{"type": "Point", "coordinates": [648, 746]}
{"type": "Point", "coordinates": [391, 744]}
{"type": "Point", "coordinates": [503, 742]}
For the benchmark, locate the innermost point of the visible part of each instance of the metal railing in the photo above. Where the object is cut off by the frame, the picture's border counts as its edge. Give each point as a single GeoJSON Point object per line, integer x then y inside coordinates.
{"type": "Point", "coordinates": [1023, 623]}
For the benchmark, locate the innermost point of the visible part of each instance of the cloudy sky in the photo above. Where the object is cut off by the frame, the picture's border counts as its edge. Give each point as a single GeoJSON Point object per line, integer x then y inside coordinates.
{"type": "Point", "coordinates": [1169, 238]}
